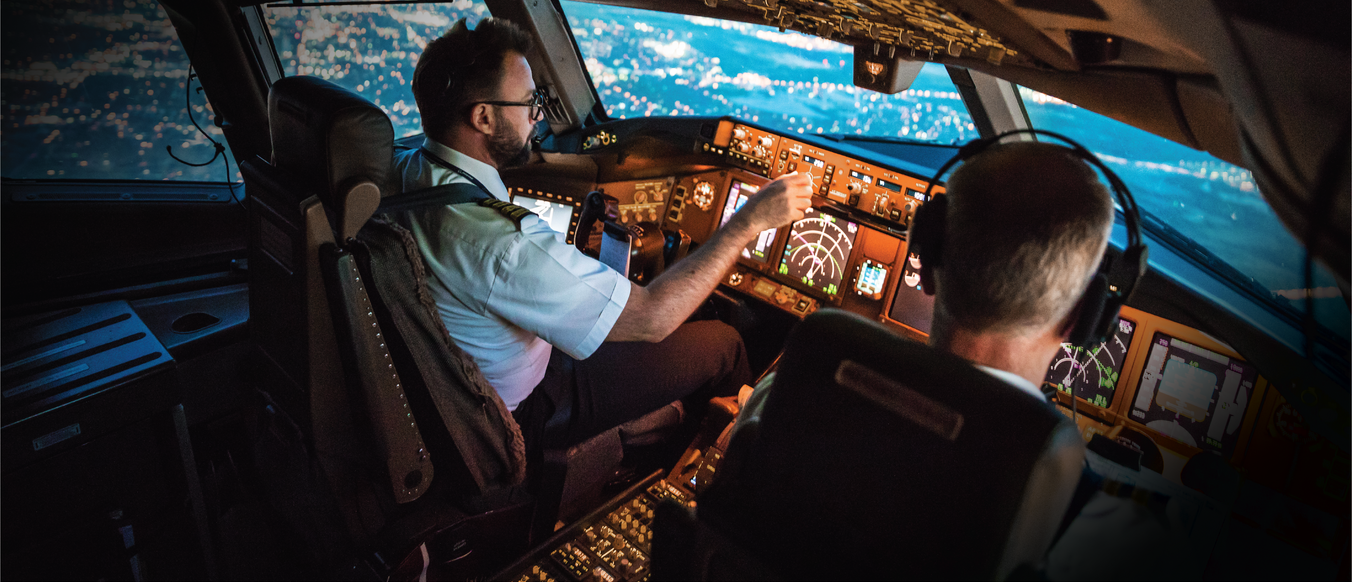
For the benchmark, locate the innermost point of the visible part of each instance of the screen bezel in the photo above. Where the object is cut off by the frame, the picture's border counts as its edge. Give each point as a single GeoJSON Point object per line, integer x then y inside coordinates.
{"type": "Point", "coordinates": [571, 233]}
{"type": "Point", "coordinates": [776, 244]}
{"type": "Point", "coordinates": [1128, 359]}
{"type": "Point", "coordinates": [895, 284]}
{"type": "Point", "coordinates": [782, 239]}
{"type": "Point", "coordinates": [1130, 381]}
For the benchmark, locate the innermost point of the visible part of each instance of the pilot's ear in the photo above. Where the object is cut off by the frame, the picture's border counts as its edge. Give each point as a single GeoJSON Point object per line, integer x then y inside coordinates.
{"type": "Point", "coordinates": [481, 118]}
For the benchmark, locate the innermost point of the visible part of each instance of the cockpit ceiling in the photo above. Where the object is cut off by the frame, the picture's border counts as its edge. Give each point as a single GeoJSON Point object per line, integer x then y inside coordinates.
{"type": "Point", "coordinates": [921, 29]}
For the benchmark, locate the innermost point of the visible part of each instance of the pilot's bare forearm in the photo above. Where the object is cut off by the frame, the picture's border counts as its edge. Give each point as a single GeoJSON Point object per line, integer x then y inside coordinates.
{"type": "Point", "coordinates": [653, 312]}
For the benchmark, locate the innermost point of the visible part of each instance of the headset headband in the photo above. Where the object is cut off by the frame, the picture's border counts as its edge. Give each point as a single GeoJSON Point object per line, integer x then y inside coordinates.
{"type": "Point", "coordinates": [1111, 294]}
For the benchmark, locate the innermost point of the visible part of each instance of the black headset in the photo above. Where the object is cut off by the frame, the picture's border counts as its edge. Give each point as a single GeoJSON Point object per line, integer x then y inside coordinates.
{"type": "Point", "coordinates": [1097, 311]}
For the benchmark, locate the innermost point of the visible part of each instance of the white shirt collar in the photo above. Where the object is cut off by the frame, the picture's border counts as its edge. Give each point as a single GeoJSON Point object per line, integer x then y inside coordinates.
{"type": "Point", "coordinates": [1015, 380]}
{"type": "Point", "coordinates": [482, 172]}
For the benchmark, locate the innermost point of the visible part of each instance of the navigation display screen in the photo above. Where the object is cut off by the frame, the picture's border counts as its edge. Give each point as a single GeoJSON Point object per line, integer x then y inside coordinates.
{"type": "Point", "coordinates": [911, 306]}
{"type": "Point", "coordinates": [818, 248]}
{"type": "Point", "coordinates": [557, 215]}
{"type": "Point", "coordinates": [1192, 394]}
{"type": "Point", "coordinates": [1092, 374]}
{"type": "Point", "coordinates": [758, 249]}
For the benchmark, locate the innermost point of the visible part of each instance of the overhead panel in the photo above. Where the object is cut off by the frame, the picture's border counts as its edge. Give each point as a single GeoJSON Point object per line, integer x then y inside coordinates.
{"type": "Point", "coordinates": [919, 29]}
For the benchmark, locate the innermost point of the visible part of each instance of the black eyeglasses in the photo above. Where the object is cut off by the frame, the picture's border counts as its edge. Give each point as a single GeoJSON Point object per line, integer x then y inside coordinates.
{"type": "Point", "coordinates": [536, 103]}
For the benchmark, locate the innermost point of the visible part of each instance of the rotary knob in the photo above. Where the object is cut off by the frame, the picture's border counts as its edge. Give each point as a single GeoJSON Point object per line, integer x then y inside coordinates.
{"type": "Point", "coordinates": [703, 196]}
{"type": "Point", "coordinates": [736, 279]}
{"type": "Point", "coordinates": [766, 141]}
{"type": "Point", "coordinates": [743, 147]}
{"type": "Point", "coordinates": [739, 133]}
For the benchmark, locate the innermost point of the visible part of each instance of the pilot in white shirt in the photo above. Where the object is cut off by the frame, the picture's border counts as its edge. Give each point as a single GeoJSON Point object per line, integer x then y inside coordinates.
{"type": "Point", "coordinates": [508, 291]}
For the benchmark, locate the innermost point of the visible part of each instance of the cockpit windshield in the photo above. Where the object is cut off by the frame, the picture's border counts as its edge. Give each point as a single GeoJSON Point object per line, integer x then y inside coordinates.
{"type": "Point", "coordinates": [646, 63]}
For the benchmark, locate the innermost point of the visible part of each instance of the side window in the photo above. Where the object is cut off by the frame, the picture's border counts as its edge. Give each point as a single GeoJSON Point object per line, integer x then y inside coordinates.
{"type": "Point", "coordinates": [372, 50]}
{"type": "Point", "coordinates": [96, 90]}
{"type": "Point", "coordinates": [1213, 203]}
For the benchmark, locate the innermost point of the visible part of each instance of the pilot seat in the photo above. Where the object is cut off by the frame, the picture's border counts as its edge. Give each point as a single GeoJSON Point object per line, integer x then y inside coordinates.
{"type": "Point", "coordinates": [377, 439]}
{"type": "Point", "coordinates": [877, 457]}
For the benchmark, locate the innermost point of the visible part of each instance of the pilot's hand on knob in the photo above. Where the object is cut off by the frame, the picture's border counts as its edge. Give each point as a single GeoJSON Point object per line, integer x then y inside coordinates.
{"type": "Point", "coordinates": [779, 202]}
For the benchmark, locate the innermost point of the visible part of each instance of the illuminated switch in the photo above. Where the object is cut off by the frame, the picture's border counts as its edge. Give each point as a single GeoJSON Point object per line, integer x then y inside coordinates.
{"type": "Point", "coordinates": [896, 215]}
{"type": "Point", "coordinates": [784, 155]}
{"type": "Point", "coordinates": [854, 200]}
{"type": "Point", "coordinates": [830, 170]}
{"type": "Point", "coordinates": [793, 166]}
{"type": "Point", "coordinates": [801, 306]}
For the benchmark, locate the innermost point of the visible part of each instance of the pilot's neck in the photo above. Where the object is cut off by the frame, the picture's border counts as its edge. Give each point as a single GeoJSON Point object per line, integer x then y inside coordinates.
{"type": "Point", "coordinates": [1025, 355]}
{"type": "Point", "coordinates": [470, 143]}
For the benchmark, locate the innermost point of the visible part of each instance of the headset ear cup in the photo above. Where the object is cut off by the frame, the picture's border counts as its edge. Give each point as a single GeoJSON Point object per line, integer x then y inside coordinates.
{"type": "Point", "coordinates": [1089, 314]}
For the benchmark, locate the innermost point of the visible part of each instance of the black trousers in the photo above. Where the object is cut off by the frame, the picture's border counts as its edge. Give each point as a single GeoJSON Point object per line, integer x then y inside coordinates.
{"type": "Point", "coordinates": [621, 381]}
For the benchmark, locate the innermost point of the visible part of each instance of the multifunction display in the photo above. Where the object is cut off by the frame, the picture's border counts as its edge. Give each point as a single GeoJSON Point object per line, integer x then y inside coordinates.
{"type": "Point", "coordinates": [911, 307]}
{"type": "Point", "coordinates": [759, 248]}
{"type": "Point", "coordinates": [1193, 394]}
{"type": "Point", "coordinates": [1092, 374]}
{"type": "Point", "coordinates": [558, 215]}
{"type": "Point", "coordinates": [817, 251]}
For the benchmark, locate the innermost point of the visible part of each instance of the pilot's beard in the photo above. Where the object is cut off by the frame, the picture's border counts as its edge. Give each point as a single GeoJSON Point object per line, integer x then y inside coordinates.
{"type": "Point", "coordinates": [507, 149]}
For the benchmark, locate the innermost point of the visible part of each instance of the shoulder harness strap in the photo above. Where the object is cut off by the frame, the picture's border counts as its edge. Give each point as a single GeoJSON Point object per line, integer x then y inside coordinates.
{"type": "Point", "coordinates": [434, 196]}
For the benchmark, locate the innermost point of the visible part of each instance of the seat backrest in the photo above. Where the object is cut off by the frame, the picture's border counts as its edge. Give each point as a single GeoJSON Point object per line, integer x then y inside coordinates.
{"type": "Point", "coordinates": [880, 457]}
{"type": "Point", "coordinates": [311, 317]}
{"type": "Point", "coordinates": [327, 141]}
{"type": "Point", "coordinates": [345, 319]}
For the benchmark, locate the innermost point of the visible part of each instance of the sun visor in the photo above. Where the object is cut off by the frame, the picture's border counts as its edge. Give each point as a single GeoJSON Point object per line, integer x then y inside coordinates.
{"type": "Point", "coordinates": [881, 72]}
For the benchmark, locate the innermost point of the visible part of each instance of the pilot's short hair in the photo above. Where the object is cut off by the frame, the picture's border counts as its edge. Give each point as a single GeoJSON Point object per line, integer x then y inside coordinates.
{"type": "Point", "coordinates": [462, 66]}
{"type": "Point", "coordinates": [1026, 228]}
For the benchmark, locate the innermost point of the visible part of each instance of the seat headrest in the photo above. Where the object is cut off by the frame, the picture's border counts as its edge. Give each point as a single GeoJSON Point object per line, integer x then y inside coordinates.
{"type": "Point", "coordinates": [330, 137]}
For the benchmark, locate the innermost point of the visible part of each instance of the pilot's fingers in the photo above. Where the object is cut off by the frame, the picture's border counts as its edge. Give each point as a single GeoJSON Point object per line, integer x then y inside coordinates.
{"type": "Point", "coordinates": [795, 180]}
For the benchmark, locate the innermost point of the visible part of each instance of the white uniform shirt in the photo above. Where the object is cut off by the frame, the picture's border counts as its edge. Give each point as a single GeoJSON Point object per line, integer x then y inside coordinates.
{"type": "Point", "coordinates": [506, 294]}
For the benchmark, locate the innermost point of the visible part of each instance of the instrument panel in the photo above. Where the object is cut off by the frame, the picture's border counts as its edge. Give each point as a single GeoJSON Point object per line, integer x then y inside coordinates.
{"type": "Point", "coordinates": [846, 252]}
{"type": "Point", "coordinates": [1186, 390]}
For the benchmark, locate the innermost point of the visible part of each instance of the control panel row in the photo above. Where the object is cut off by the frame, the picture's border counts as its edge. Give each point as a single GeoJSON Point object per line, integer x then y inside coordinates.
{"type": "Point", "coordinates": [888, 194]}
{"type": "Point", "coordinates": [612, 544]}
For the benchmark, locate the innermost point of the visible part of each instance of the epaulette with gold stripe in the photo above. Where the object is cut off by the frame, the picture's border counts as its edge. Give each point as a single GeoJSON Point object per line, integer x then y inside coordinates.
{"type": "Point", "coordinates": [512, 211]}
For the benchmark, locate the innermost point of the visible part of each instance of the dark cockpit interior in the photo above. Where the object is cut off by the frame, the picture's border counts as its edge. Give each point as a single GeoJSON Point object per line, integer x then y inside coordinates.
{"type": "Point", "coordinates": [246, 379]}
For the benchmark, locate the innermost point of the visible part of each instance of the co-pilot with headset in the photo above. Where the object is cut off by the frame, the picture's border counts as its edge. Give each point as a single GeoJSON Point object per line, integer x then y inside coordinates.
{"type": "Point", "coordinates": [1012, 254]}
